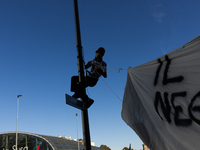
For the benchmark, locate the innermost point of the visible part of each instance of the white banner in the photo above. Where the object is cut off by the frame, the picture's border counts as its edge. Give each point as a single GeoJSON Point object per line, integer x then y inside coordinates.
{"type": "Point", "coordinates": [162, 100]}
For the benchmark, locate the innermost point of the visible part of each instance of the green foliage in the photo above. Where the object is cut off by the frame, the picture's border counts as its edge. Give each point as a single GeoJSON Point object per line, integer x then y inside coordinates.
{"type": "Point", "coordinates": [126, 148]}
{"type": "Point", "coordinates": [105, 147]}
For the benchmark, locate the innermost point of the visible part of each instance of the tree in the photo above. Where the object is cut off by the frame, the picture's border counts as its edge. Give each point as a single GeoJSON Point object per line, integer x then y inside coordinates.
{"type": "Point", "coordinates": [105, 147]}
{"type": "Point", "coordinates": [126, 148]}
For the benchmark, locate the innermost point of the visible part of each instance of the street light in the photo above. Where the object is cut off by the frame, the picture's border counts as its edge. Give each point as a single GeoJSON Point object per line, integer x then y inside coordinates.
{"type": "Point", "coordinates": [17, 118]}
{"type": "Point", "coordinates": [77, 130]}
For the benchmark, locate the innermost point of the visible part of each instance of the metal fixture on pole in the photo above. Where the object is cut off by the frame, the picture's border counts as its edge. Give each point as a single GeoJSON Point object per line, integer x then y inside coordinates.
{"type": "Point", "coordinates": [17, 120]}
{"type": "Point", "coordinates": [77, 131]}
{"type": "Point", "coordinates": [85, 122]}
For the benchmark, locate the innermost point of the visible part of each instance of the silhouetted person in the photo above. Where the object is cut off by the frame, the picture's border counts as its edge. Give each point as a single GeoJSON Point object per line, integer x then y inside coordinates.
{"type": "Point", "coordinates": [98, 68]}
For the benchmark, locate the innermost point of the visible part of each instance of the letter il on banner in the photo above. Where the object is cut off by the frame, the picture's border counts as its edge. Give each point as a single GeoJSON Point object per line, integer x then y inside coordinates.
{"type": "Point", "coordinates": [162, 99]}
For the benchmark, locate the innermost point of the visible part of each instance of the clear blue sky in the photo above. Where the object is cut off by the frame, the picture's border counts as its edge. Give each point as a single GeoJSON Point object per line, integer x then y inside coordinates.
{"type": "Point", "coordinates": [38, 57]}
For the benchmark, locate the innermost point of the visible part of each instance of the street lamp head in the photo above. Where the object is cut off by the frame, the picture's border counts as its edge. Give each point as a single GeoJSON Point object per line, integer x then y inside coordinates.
{"type": "Point", "coordinates": [18, 96]}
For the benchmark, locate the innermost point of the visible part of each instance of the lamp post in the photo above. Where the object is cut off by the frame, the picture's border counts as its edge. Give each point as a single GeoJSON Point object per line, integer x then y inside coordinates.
{"type": "Point", "coordinates": [85, 120]}
{"type": "Point", "coordinates": [77, 131]}
{"type": "Point", "coordinates": [17, 119]}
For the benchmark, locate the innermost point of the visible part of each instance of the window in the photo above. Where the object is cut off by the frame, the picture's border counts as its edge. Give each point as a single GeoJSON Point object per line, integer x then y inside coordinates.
{"type": "Point", "coordinates": [25, 142]}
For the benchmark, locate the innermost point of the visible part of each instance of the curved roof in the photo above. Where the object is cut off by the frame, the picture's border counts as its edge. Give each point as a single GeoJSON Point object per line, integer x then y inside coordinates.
{"type": "Point", "coordinates": [55, 143]}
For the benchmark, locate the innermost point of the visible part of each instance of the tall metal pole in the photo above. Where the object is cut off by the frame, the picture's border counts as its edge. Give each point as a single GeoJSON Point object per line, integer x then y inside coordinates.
{"type": "Point", "coordinates": [85, 122]}
{"type": "Point", "coordinates": [17, 120]}
{"type": "Point", "coordinates": [77, 130]}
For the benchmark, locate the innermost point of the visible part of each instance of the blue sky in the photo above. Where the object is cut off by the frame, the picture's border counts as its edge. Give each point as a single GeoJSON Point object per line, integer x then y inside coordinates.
{"type": "Point", "coordinates": [38, 57]}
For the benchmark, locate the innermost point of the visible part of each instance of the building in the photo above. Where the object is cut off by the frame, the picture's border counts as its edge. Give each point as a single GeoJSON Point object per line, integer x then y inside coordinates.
{"type": "Point", "coordinates": [29, 141]}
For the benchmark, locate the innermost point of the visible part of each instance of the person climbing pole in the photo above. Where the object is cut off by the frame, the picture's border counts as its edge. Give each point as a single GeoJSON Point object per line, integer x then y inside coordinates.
{"type": "Point", "coordinates": [98, 68]}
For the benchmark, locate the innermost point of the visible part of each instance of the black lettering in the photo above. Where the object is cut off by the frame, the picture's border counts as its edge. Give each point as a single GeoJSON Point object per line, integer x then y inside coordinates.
{"type": "Point", "coordinates": [194, 108]}
{"type": "Point", "coordinates": [165, 109]}
{"type": "Point", "coordinates": [157, 72]}
{"type": "Point", "coordinates": [178, 109]}
{"type": "Point", "coordinates": [167, 80]}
